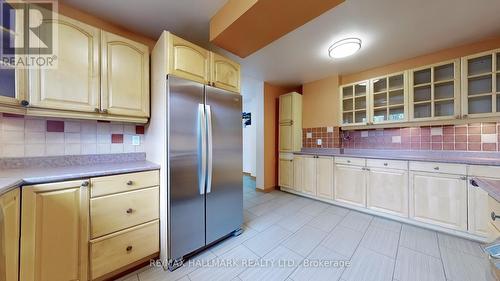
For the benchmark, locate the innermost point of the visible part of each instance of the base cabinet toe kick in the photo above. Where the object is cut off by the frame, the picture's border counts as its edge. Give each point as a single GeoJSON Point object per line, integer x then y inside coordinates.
{"type": "Point", "coordinates": [439, 196]}
{"type": "Point", "coordinates": [87, 229]}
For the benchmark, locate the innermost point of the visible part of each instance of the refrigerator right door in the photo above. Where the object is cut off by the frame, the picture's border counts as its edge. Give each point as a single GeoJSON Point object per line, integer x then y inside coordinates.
{"type": "Point", "coordinates": [224, 195]}
{"type": "Point", "coordinates": [186, 146]}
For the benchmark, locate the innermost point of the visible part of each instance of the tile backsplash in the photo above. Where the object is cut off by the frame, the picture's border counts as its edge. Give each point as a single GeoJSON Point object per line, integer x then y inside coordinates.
{"type": "Point", "coordinates": [25, 136]}
{"type": "Point", "coordinates": [468, 137]}
{"type": "Point", "coordinates": [329, 136]}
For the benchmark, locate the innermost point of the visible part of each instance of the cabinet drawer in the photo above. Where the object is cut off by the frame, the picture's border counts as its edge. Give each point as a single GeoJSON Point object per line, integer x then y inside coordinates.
{"type": "Point", "coordinates": [121, 183]}
{"type": "Point", "coordinates": [484, 171]}
{"type": "Point", "coordinates": [115, 251]}
{"type": "Point", "coordinates": [434, 167]}
{"type": "Point", "coordinates": [119, 211]}
{"type": "Point", "coordinates": [494, 207]}
{"type": "Point", "coordinates": [350, 161]}
{"type": "Point", "coordinates": [381, 163]}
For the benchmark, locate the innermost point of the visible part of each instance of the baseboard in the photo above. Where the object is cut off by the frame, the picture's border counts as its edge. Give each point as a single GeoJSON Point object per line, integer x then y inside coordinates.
{"type": "Point", "coordinates": [249, 175]}
{"type": "Point", "coordinates": [268, 189]}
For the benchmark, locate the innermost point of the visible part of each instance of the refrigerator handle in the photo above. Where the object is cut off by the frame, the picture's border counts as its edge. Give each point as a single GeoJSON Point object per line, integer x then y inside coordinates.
{"type": "Point", "coordinates": [209, 148]}
{"type": "Point", "coordinates": [202, 148]}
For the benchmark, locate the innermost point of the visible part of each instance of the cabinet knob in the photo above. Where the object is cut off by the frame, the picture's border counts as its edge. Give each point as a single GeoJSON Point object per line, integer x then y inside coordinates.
{"type": "Point", "coordinates": [348, 161]}
{"type": "Point", "coordinates": [130, 210]}
{"type": "Point", "coordinates": [494, 216]}
{"type": "Point", "coordinates": [386, 164]}
{"type": "Point", "coordinates": [25, 103]}
{"type": "Point", "coordinates": [129, 248]}
{"type": "Point", "coordinates": [85, 183]}
{"type": "Point", "coordinates": [436, 168]}
{"type": "Point", "coordinates": [473, 182]}
{"type": "Point", "coordinates": [465, 116]}
{"type": "Point", "coordinates": [97, 110]}
{"type": "Point", "coordinates": [104, 111]}
{"type": "Point", "coordinates": [457, 116]}
{"type": "Point", "coordinates": [464, 178]}
{"type": "Point", "coordinates": [130, 183]}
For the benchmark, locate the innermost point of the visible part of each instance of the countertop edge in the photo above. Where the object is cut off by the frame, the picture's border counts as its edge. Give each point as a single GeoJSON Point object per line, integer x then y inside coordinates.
{"type": "Point", "coordinates": [8, 184]}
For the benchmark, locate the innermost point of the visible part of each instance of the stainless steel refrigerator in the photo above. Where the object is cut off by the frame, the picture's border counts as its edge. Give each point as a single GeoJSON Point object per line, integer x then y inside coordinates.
{"type": "Point", "coordinates": [205, 185]}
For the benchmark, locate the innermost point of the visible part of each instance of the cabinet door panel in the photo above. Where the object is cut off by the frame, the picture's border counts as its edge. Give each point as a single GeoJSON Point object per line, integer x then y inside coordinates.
{"type": "Point", "coordinates": [286, 173]}
{"type": "Point", "coordinates": [186, 60]}
{"type": "Point", "coordinates": [478, 211]}
{"type": "Point", "coordinates": [286, 103]}
{"type": "Point", "coordinates": [74, 84]}
{"type": "Point", "coordinates": [225, 73]}
{"type": "Point", "coordinates": [439, 199]}
{"type": "Point", "coordinates": [9, 235]}
{"type": "Point", "coordinates": [387, 191]}
{"type": "Point", "coordinates": [286, 138]}
{"type": "Point", "coordinates": [298, 171]}
{"type": "Point", "coordinates": [309, 176]}
{"type": "Point", "coordinates": [54, 232]}
{"type": "Point", "coordinates": [325, 177]}
{"type": "Point", "coordinates": [350, 185]}
{"type": "Point", "coordinates": [125, 76]}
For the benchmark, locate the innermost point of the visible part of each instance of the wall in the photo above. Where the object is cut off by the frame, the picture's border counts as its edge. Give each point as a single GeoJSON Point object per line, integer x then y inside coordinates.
{"type": "Point", "coordinates": [26, 136]}
{"type": "Point", "coordinates": [104, 25]}
{"type": "Point", "coordinates": [320, 104]}
{"type": "Point", "coordinates": [271, 110]}
{"type": "Point", "coordinates": [252, 91]}
{"type": "Point", "coordinates": [439, 56]}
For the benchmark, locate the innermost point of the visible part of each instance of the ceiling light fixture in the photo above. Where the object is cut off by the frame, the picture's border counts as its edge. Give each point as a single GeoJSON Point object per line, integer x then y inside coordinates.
{"type": "Point", "coordinates": [344, 48]}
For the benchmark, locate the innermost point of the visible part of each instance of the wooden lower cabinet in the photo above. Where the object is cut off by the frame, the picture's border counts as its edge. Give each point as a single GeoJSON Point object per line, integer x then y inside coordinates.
{"type": "Point", "coordinates": [54, 232]}
{"type": "Point", "coordinates": [478, 211]}
{"type": "Point", "coordinates": [285, 178]}
{"type": "Point", "coordinates": [350, 185]}
{"type": "Point", "coordinates": [309, 175]}
{"type": "Point", "coordinates": [115, 251]}
{"type": "Point", "coordinates": [324, 175]}
{"type": "Point", "coordinates": [439, 199]}
{"type": "Point", "coordinates": [298, 173]}
{"type": "Point", "coordinates": [9, 235]}
{"type": "Point", "coordinates": [387, 191]}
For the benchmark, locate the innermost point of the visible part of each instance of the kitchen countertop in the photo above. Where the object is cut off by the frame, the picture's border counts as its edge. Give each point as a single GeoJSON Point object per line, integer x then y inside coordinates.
{"type": "Point", "coordinates": [27, 174]}
{"type": "Point", "coordinates": [463, 157]}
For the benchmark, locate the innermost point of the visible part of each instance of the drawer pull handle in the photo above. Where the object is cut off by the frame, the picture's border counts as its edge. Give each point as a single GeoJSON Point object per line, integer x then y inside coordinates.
{"type": "Point", "coordinates": [385, 164]}
{"type": "Point", "coordinates": [130, 210]}
{"type": "Point", "coordinates": [130, 183]}
{"type": "Point", "coordinates": [436, 168]}
{"type": "Point", "coordinates": [494, 216]}
{"type": "Point", "coordinates": [129, 248]}
{"type": "Point", "coordinates": [85, 183]}
{"type": "Point", "coordinates": [348, 161]}
{"type": "Point", "coordinates": [473, 182]}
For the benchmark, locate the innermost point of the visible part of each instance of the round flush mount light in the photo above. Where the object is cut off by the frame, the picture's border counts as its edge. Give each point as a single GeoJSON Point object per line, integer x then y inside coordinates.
{"type": "Point", "coordinates": [344, 48]}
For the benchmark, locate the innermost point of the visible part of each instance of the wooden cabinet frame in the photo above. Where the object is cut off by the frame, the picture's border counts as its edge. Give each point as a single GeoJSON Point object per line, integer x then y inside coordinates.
{"type": "Point", "coordinates": [387, 92]}
{"type": "Point", "coordinates": [353, 111]}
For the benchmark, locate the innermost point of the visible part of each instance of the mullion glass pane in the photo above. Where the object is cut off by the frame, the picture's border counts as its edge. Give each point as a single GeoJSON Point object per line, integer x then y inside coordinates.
{"type": "Point", "coordinates": [422, 94]}
{"type": "Point", "coordinates": [347, 105]}
{"type": "Point", "coordinates": [380, 85]}
{"type": "Point", "coordinates": [480, 104]}
{"type": "Point", "coordinates": [396, 97]}
{"type": "Point", "coordinates": [347, 92]}
{"type": "Point", "coordinates": [397, 113]}
{"type": "Point", "coordinates": [7, 82]}
{"type": "Point", "coordinates": [422, 110]}
{"type": "Point", "coordinates": [479, 85]}
{"type": "Point", "coordinates": [396, 82]}
{"type": "Point", "coordinates": [380, 115]}
{"type": "Point", "coordinates": [443, 72]}
{"type": "Point", "coordinates": [444, 91]}
{"type": "Point", "coordinates": [479, 65]}
{"type": "Point", "coordinates": [422, 76]}
{"type": "Point", "coordinates": [360, 116]}
{"type": "Point", "coordinates": [444, 108]}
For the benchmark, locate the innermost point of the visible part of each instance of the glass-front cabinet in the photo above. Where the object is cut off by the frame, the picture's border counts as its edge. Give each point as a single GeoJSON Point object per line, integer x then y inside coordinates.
{"type": "Point", "coordinates": [389, 99]}
{"type": "Point", "coordinates": [481, 84]}
{"type": "Point", "coordinates": [434, 92]}
{"type": "Point", "coordinates": [354, 104]}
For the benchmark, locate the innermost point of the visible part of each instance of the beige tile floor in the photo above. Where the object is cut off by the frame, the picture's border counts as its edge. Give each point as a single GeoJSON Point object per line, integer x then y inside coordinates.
{"type": "Point", "coordinates": [288, 233]}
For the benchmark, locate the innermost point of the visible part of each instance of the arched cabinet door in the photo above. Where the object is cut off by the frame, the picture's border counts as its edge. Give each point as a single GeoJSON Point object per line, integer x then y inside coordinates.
{"type": "Point", "coordinates": [73, 84]}
{"type": "Point", "coordinates": [225, 73]}
{"type": "Point", "coordinates": [187, 60]}
{"type": "Point", "coordinates": [125, 76]}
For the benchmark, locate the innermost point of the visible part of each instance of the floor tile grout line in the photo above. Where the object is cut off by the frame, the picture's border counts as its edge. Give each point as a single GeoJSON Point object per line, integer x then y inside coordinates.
{"type": "Point", "coordinates": [355, 250]}
{"type": "Point", "coordinates": [397, 253]}
{"type": "Point", "coordinates": [441, 257]}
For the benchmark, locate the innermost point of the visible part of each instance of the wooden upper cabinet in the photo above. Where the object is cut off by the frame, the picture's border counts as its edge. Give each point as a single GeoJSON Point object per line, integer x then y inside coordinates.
{"type": "Point", "coordinates": [354, 104]}
{"type": "Point", "coordinates": [187, 60]}
{"type": "Point", "coordinates": [125, 76]}
{"type": "Point", "coordinates": [54, 232]}
{"type": "Point", "coordinates": [9, 235]}
{"type": "Point", "coordinates": [74, 84]}
{"type": "Point", "coordinates": [435, 92]}
{"type": "Point", "coordinates": [481, 84]}
{"type": "Point", "coordinates": [225, 73]}
{"type": "Point", "coordinates": [388, 99]}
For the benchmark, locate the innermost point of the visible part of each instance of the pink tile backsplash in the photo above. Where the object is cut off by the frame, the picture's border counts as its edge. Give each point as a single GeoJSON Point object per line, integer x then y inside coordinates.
{"type": "Point", "coordinates": [469, 137]}
{"type": "Point", "coordinates": [25, 136]}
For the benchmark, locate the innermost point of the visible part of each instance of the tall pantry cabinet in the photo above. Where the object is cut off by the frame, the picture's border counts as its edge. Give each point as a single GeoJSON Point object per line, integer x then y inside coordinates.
{"type": "Point", "coordinates": [290, 136]}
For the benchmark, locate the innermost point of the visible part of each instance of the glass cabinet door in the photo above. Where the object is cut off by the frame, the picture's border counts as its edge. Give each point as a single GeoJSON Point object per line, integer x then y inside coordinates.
{"type": "Point", "coordinates": [434, 92]}
{"type": "Point", "coordinates": [11, 79]}
{"type": "Point", "coordinates": [388, 98]}
{"type": "Point", "coordinates": [354, 104]}
{"type": "Point", "coordinates": [481, 90]}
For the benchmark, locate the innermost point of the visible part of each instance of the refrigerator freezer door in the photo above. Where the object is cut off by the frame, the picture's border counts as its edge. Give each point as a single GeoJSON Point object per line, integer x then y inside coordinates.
{"type": "Point", "coordinates": [224, 195]}
{"type": "Point", "coordinates": [186, 216]}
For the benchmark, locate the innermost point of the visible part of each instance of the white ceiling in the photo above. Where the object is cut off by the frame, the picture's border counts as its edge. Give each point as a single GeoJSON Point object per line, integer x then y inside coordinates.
{"type": "Point", "coordinates": [391, 30]}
